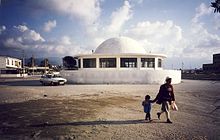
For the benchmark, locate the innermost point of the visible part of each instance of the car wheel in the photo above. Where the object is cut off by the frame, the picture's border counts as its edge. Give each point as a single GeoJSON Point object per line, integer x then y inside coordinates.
{"type": "Point", "coordinates": [56, 83]}
{"type": "Point", "coordinates": [61, 83]}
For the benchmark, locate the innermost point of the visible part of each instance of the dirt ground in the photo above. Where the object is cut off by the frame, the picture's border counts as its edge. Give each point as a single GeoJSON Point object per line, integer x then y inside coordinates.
{"type": "Point", "coordinates": [31, 111]}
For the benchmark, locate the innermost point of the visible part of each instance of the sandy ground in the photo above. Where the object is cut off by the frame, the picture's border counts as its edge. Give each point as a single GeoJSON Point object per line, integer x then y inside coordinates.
{"type": "Point", "coordinates": [31, 111]}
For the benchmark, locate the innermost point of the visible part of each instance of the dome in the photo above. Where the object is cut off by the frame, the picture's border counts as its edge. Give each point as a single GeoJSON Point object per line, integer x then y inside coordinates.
{"type": "Point", "coordinates": [120, 45]}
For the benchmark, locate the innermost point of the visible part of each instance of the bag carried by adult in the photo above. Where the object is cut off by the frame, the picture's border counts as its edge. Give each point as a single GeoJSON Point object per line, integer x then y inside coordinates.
{"type": "Point", "coordinates": [174, 106]}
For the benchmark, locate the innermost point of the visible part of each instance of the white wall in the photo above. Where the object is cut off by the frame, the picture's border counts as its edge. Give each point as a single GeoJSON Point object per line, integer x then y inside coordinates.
{"type": "Point", "coordinates": [120, 76]}
{"type": "Point", "coordinates": [2, 63]}
{"type": "Point", "coordinates": [12, 75]}
{"type": "Point", "coordinates": [12, 64]}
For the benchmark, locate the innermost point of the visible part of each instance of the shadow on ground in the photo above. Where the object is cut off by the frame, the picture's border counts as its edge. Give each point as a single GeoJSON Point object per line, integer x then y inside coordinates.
{"type": "Point", "coordinates": [83, 123]}
{"type": "Point", "coordinates": [22, 83]}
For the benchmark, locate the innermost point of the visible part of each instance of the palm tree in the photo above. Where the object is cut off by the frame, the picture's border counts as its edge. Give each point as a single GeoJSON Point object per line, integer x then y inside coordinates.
{"type": "Point", "coordinates": [216, 5]}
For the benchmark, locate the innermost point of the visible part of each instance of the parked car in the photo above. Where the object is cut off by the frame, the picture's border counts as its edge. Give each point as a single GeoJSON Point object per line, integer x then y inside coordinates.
{"type": "Point", "coordinates": [51, 79]}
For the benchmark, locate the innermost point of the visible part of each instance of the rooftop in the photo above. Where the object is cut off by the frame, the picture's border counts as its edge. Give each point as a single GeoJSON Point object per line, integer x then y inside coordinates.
{"type": "Point", "coordinates": [120, 45]}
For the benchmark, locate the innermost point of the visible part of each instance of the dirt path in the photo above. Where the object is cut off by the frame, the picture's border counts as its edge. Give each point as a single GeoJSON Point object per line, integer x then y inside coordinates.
{"type": "Point", "coordinates": [106, 112]}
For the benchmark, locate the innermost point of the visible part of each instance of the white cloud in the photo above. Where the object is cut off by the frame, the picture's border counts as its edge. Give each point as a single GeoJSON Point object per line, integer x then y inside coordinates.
{"type": "Point", "coordinates": [204, 38]}
{"type": "Point", "coordinates": [156, 30]}
{"type": "Point", "coordinates": [202, 10]}
{"type": "Point", "coordinates": [217, 22]}
{"type": "Point", "coordinates": [49, 25]}
{"type": "Point", "coordinates": [157, 36]}
{"type": "Point", "coordinates": [2, 28]}
{"type": "Point", "coordinates": [27, 34]}
{"type": "Point", "coordinates": [35, 36]}
{"type": "Point", "coordinates": [98, 33]}
{"type": "Point", "coordinates": [119, 17]}
{"type": "Point", "coordinates": [61, 47]}
{"type": "Point", "coordinates": [136, 1]}
{"type": "Point", "coordinates": [198, 43]}
{"type": "Point", "coordinates": [21, 37]}
{"type": "Point", "coordinates": [140, 1]}
{"type": "Point", "coordinates": [86, 10]}
{"type": "Point", "coordinates": [11, 42]}
{"type": "Point", "coordinates": [65, 40]}
{"type": "Point", "coordinates": [21, 28]}
{"type": "Point", "coordinates": [201, 43]}
{"type": "Point", "coordinates": [87, 13]}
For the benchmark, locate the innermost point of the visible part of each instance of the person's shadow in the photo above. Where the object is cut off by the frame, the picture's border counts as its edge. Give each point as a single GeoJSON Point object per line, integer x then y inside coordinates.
{"type": "Point", "coordinates": [99, 122]}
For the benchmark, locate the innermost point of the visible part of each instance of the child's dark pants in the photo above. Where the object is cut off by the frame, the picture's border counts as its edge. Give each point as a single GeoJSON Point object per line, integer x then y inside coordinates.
{"type": "Point", "coordinates": [147, 116]}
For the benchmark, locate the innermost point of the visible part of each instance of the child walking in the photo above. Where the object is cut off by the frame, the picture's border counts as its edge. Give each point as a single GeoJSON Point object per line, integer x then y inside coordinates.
{"type": "Point", "coordinates": [147, 107]}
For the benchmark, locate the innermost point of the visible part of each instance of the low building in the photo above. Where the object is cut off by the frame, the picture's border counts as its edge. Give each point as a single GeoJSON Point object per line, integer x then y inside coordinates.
{"type": "Point", "coordinates": [10, 67]}
{"type": "Point", "coordinates": [119, 61]}
{"type": "Point", "coordinates": [37, 70]}
{"type": "Point", "coordinates": [213, 67]}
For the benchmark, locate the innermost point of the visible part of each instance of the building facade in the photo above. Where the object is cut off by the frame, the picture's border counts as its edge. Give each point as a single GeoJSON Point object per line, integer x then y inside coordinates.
{"type": "Point", "coordinates": [9, 62]}
{"type": "Point", "coordinates": [213, 67]}
{"type": "Point", "coordinates": [120, 61]}
{"type": "Point", "coordinates": [10, 65]}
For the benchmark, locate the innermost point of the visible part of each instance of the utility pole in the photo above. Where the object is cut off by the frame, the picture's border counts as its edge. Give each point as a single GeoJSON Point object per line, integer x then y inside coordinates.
{"type": "Point", "coordinates": [182, 65]}
{"type": "Point", "coordinates": [23, 64]}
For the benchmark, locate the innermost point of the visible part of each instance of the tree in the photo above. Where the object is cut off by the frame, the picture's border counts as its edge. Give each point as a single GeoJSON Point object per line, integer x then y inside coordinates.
{"type": "Point", "coordinates": [216, 5]}
{"type": "Point", "coordinates": [69, 62]}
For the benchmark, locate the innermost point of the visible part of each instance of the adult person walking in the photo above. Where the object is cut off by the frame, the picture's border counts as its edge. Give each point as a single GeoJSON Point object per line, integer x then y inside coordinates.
{"type": "Point", "coordinates": [165, 97]}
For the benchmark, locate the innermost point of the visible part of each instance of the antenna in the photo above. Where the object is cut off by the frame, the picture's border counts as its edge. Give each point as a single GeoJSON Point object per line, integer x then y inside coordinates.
{"type": "Point", "coordinates": [182, 65]}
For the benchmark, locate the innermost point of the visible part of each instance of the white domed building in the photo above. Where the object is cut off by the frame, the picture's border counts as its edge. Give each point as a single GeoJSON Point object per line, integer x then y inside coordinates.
{"type": "Point", "coordinates": [120, 61]}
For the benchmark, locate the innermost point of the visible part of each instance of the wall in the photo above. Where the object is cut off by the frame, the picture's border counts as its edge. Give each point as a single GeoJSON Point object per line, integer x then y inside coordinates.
{"type": "Point", "coordinates": [120, 76]}
{"type": "Point", "coordinates": [12, 64]}
{"type": "Point", "coordinates": [118, 60]}
{"type": "Point", "coordinates": [12, 75]}
{"type": "Point", "coordinates": [2, 63]}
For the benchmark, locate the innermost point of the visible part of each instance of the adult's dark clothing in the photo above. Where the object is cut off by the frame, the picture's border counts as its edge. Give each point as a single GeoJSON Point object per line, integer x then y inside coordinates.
{"type": "Point", "coordinates": [164, 97]}
{"type": "Point", "coordinates": [165, 94]}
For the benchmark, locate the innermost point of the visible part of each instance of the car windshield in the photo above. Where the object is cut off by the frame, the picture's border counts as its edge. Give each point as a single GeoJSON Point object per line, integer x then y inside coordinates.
{"type": "Point", "coordinates": [49, 76]}
{"type": "Point", "coordinates": [56, 76]}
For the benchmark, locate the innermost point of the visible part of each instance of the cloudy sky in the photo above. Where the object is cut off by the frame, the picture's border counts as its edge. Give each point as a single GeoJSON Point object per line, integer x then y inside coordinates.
{"type": "Point", "coordinates": [187, 31]}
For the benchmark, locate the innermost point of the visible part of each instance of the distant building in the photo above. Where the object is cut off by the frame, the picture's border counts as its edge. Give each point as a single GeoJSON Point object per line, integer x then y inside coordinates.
{"type": "Point", "coordinates": [37, 70]}
{"type": "Point", "coordinates": [37, 67]}
{"type": "Point", "coordinates": [192, 71]}
{"type": "Point", "coordinates": [10, 65]}
{"type": "Point", "coordinates": [9, 62]}
{"type": "Point", "coordinates": [214, 67]}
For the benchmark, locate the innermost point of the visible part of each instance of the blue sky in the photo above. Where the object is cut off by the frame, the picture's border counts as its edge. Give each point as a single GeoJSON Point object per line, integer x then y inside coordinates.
{"type": "Point", "coordinates": [186, 31]}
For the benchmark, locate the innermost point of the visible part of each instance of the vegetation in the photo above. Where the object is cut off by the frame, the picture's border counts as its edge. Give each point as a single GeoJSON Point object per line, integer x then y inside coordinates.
{"type": "Point", "coordinates": [216, 5]}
